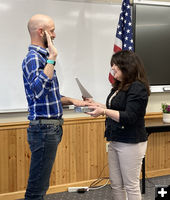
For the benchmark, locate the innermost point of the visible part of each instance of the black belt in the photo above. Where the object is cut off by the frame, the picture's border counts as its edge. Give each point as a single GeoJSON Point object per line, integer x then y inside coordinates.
{"type": "Point", "coordinates": [55, 122]}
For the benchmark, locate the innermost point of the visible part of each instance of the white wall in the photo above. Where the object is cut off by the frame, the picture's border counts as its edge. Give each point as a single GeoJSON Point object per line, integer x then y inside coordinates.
{"type": "Point", "coordinates": [85, 34]}
{"type": "Point", "coordinates": [155, 100]}
{"type": "Point", "coordinates": [154, 104]}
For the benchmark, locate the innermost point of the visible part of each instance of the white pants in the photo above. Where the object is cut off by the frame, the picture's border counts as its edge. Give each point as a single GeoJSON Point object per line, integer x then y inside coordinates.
{"type": "Point", "coordinates": [125, 160]}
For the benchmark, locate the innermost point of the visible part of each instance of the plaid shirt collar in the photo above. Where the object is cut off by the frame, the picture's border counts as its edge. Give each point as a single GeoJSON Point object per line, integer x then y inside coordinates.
{"type": "Point", "coordinates": [38, 49]}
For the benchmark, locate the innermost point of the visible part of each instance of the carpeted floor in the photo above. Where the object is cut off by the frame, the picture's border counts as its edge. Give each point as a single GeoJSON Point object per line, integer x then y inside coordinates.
{"type": "Point", "coordinates": [104, 193]}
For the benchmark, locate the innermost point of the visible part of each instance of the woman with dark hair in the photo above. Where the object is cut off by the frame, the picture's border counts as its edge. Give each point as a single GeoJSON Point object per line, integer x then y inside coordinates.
{"type": "Point", "coordinates": [125, 126]}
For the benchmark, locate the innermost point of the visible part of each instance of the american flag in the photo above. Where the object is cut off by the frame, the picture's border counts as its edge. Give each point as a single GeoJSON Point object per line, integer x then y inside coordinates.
{"type": "Point", "coordinates": [124, 34]}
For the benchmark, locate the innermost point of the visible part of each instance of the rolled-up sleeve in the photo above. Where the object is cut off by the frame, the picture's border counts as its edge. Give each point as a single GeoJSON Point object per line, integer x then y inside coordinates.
{"type": "Point", "coordinates": [137, 98]}
{"type": "Point", "coordinates": [34, 73]}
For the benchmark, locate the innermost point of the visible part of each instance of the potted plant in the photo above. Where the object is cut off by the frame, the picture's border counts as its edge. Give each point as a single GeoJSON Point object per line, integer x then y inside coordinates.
{"type": "Point", "coordinates": [166, 112]}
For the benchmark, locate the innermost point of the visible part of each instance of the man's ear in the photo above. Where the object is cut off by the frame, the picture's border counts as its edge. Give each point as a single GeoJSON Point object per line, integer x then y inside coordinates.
{"type": "Point", "coordinates": [40, 32]}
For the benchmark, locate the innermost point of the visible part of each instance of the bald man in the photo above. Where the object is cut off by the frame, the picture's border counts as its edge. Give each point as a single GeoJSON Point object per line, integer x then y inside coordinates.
{"type": "Point", "coordinates": [44, 104]}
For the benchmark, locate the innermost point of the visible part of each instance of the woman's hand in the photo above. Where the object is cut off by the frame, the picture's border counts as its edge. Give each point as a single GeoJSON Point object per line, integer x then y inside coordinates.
{"type": "Point", "coordinates": [97, 111]}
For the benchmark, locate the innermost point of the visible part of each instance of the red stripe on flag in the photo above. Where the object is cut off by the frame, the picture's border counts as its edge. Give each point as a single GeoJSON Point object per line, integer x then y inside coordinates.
{"type": "Point", "coordinates": [124, 33]}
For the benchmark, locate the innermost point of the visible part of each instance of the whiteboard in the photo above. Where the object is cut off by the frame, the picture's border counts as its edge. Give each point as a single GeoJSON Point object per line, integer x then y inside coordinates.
{"type": "Point", "coordinates": [85, 34]}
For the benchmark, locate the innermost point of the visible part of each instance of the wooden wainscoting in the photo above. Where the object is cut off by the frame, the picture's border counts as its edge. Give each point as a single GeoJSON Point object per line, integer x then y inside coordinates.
{"type": "Point", "coordinates": [158, 150]}
{"type": "Point", "coordinates": [80, 159]}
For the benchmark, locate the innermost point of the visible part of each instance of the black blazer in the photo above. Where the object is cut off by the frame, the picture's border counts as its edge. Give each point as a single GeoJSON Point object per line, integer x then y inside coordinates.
{"type": "Point", "coordinates": [131, 105]}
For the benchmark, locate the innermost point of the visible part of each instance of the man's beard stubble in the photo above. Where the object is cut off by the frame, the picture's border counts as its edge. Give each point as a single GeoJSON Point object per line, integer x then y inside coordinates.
{"type": "Point", "coordinates": [45, 41]}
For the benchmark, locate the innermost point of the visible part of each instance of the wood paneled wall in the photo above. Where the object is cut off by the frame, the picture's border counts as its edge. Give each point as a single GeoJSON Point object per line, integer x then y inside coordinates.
{"type": "Point", "coordinates": [80, 159]}
{"type": "Point", "coordinates": [158, 150]}
{"type": "Point", "coordinates": [81, 155]}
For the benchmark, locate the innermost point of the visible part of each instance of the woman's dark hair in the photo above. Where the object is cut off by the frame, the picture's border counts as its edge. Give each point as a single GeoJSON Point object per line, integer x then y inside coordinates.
{"type": "Point", "coordinates": [132, 69]}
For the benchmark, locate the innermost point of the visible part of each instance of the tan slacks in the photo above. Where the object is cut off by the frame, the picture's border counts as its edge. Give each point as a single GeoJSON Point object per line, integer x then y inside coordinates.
{"type": "Point", "coordinates": [125, 162]}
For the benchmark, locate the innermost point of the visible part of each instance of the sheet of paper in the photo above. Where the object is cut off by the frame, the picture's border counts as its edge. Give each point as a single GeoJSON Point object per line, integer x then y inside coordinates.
{"type": "Point", "coordinates": [83, 90]}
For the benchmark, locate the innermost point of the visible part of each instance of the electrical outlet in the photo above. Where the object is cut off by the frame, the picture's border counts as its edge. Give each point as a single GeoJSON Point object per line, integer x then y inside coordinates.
{"type": "Point", "coordinates": [107, 145]}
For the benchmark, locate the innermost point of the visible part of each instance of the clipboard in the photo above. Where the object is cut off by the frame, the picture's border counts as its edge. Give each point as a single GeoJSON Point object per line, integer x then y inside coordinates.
{"type": "Point", "coordinates": [83, 90]}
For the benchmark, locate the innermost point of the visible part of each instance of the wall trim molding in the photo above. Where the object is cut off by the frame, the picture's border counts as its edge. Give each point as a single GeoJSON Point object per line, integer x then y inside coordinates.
{"type": "Point", "coordinates": [78, 120]}
{"type": "Point", "coordinates": [77, 124]}
{"type": "Point", "coordinates": [64, 187]}
{"type": "Point", "coordinates": [156, 173]}
{"type": "Point", "coordinates": [52, 189]}
{"type": "Point", "coordinates": [153, 115]}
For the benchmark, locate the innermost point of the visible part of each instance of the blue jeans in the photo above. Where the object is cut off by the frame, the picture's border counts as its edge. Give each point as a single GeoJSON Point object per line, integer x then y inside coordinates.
{"type": "Point", "coordinates": [43, 140]}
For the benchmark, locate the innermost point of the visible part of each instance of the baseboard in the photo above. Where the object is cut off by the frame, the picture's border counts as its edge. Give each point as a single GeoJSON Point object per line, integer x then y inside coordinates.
{"type": "Point", "coordinates": [52, 189]}
{"type": "Point", "coordinates": [156, 173]}
{"type": "Point", "coordinates": [64, 187]}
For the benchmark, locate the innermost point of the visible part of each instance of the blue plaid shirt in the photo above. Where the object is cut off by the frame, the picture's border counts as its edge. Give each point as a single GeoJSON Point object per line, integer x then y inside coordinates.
{"type": "Point", "coordinates": [43, 96]}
